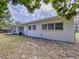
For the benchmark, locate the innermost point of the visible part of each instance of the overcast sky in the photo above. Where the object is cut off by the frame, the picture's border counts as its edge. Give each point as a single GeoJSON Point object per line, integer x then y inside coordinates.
{"type": "Point", "coordinates": [20, 13]}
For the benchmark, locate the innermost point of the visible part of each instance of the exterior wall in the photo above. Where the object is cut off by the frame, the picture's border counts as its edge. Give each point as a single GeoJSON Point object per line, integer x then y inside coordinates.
{"type": "Point", "coordinates": [66, 35]}
{"type": "Point", "coordinates": [16, 29]}
{"type": "Point", "coordinates": [25, 30]}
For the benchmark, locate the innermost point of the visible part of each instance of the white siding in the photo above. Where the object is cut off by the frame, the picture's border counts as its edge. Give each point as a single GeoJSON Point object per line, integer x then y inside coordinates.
{"type": "Point", "coordinates": [16, 29]}
{"type": "Point", "coordinates": [25, 30]}
{"type": "Point", "coordinates": [62, 35]}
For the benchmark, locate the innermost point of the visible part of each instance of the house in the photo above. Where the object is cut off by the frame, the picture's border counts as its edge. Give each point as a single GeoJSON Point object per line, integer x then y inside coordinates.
{"type": "Point", "coordinates": [53, 28]}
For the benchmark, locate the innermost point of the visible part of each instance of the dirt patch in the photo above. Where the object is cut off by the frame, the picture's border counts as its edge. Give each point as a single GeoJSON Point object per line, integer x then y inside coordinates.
{"type": "Point", "coordinates": [43, 49]}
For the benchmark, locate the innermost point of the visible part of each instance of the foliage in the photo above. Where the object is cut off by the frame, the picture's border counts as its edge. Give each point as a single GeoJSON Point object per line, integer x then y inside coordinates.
{"type": "Point", "coordinates": [3, 7]}
{"type": "Point", "coordinates": [64, 8]}
{"type": "Point", "coordinates": [6, 21]}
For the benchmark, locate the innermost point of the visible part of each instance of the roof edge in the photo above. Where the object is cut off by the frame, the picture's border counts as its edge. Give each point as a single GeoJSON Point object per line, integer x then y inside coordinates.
{"type": "Point", "coordinates": [40, 20]}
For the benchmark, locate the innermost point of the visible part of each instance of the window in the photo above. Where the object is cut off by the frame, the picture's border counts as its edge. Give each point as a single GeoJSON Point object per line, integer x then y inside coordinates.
{"type": "Point", "coordinates": [34, 27]}
{"type": "Point", "coordinates": [29, 27]}
{"type": "Point", "coordinates": [59, 26]}
{"type": "Point", "coordinates": [51, 26]}
{"type": "Point", "coordinates": [44, 26]}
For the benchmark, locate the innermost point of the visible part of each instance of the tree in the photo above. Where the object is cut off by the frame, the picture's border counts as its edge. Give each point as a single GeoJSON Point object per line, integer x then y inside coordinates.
{"type": "Point", "coordinates": [64, 8]}
{"type": "Point", "coordinates": [3, 7]}
{"type": "Point", "coordinates": [6, 22]}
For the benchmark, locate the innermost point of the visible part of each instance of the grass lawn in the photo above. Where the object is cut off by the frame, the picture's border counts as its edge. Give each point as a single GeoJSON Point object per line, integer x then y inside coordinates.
{"type": "Point", "coordinates": [77, 36]}
{"type": "Point", "coordinates": [8, 43]}
{"type": "Point", "coordinates": [22, 47]}
{"type": "Point", "coordinates": [12, 41]}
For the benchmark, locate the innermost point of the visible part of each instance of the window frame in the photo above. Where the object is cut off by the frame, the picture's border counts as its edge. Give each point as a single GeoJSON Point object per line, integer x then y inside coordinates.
{"type": "Point", "coordinates": [43, 26]}
{"type": "Point", "coordinates": [34, 27]}
{"type": "Point", "coordinates": [59, 27]}
{"type": "Point", "coordinates": [50, 26]}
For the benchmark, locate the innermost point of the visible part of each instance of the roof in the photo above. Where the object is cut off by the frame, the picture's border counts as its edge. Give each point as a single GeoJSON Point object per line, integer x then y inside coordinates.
{"type": "Point", "coordinates": [40, 20]}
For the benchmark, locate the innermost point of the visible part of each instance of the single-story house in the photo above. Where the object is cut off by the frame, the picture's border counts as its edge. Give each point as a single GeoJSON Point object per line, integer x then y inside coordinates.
{"type": "Point", "coordinates": [53, 28]}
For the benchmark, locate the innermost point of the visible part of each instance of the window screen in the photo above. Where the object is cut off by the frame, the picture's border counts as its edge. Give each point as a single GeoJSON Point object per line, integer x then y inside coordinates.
{"type": "Point", "coordinates": [59, 26]}
{"type": "Point", "coordinates": [44, 26]}
{"type": "Point", "coordinates": [51, 26]}
{"type": "Point", "coordinates": [34, 27]}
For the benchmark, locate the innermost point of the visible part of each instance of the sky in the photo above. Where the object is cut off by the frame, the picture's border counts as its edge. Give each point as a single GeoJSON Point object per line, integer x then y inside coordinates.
{"type": "Point", "coordinates": [21, 14]}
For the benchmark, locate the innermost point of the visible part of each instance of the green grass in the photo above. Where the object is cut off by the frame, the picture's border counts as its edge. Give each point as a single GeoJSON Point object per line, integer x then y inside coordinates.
{"type": "Point", "coordinates": [77, 36]}
{"type": "Point", "coordinates": [10, 41]}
